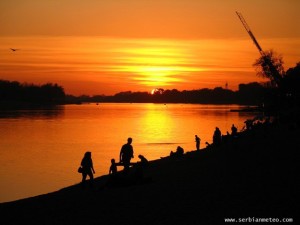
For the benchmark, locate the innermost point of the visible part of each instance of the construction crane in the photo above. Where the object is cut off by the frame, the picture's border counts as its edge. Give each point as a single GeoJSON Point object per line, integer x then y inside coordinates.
{"type": "Point", "coordinates": [250, 33]}
{"type": "Point", "coordinates": [275, 75]}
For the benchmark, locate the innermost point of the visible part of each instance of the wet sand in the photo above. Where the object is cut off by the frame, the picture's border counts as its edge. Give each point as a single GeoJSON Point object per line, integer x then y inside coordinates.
{"type": "Point", "coordinates": [253, 175]}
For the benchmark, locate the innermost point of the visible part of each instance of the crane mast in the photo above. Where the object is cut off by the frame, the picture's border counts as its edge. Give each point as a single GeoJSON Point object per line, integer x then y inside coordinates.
{"type": "Point", "coordinates": [250, 33]}
{"type": "Point", "coordinates": [275, 75]}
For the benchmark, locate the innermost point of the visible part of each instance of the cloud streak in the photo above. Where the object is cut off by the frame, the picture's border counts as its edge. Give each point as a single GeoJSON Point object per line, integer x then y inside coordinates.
{"type": "Point", "coordinates": [134, 64]}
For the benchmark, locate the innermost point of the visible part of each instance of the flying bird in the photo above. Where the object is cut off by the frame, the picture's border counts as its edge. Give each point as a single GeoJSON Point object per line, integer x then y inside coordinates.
{"type": "Point", "coordinates": [14, 49]}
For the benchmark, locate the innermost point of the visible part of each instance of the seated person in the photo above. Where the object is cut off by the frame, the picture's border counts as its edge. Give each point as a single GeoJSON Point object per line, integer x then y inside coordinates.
{"type": "Point", "coordinates": [179, 152]}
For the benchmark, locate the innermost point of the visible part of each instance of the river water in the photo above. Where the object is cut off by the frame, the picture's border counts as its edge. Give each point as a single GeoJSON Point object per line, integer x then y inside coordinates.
{"type": "Point", "coordinates": [40, 150]}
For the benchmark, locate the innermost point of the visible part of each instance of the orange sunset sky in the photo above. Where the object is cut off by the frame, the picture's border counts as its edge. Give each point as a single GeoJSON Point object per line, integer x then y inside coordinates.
{"type": "Point", "coordinates": [108, 46]}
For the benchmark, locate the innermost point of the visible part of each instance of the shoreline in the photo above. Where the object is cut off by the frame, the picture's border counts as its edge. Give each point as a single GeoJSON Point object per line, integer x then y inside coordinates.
{"type": "Point", "coordinates": [252, 175]}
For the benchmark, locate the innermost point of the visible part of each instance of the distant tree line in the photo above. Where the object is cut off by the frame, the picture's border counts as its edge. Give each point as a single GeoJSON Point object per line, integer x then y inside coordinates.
{"type": "Point", "coordinates": [15, 94]}
{"type": "Point", "coordinates": [287, 94]}
{"type": "Point", "coordinates": [248, 94]}
{"type": "Point", "coordinates": [260, 94]}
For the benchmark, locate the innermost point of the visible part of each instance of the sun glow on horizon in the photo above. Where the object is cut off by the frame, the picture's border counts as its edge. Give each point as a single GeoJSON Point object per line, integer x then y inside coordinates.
{"type": "Point", "coordinates": [107, 47]}
{"type": "Point", "coordinates": [108, 65]}
{"type": "Point", "coordinates": [157, 66]}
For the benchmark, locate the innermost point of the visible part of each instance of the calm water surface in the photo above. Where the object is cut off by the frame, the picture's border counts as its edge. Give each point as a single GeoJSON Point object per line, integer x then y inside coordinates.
{"type": "Point", "coordinates": [40, 150]}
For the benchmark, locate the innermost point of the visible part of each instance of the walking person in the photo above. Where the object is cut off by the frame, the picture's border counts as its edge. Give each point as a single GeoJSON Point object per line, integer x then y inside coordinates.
{"type": "Point", "coordinates": [87, 168]}
{"type": "Point", "coordinates": [126, 154]}
{"type": "Point", "coordinates": [197, 139]}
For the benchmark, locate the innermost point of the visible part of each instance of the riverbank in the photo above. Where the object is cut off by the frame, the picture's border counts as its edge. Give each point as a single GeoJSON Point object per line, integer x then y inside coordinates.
{"type": "Point", "coordinates": [253, 175]}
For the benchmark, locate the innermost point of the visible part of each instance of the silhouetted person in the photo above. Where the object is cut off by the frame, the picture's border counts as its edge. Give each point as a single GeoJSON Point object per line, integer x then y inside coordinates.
{"type": "Point", "coordinates": [143, 161]}
{"type": "Point", "coordinates": [197, 139]}
{"type": "Point", "coordinates": [207, 144]}
{"type": "Point", "coordinates": [233, 130]}
{"type": "Point", "coordinates": [179, 152]}
{"type": "Point", "coordinates": [140, 168]}
{"type": "Point", "coordinates": [87, 168]}
{"type": "Point", "coordinates": [126, 154]}
{"type": "Point", "coordinates": [217, 137]}
{"type": "Point", "coordinates": [113, 178]}
{"type": "Point", "coordinates": [249, 124]}
{"type": "Point", "coordinates": [113, 167]}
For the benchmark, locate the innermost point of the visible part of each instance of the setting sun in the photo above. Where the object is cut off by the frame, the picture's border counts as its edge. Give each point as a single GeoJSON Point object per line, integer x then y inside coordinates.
{"type": "Point", "coordinates": [154, 91]}
{"type": "Point", "coordinates": [157, 66]}
{"type": "Point", "coordinates": [148, 111]}
{"type": "Point", "coordinates": [107, 47]}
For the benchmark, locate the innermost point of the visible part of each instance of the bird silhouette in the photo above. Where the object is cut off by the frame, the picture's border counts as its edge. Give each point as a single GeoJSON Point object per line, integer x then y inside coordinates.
{"type": "Point", "coordinates": [14, 49]}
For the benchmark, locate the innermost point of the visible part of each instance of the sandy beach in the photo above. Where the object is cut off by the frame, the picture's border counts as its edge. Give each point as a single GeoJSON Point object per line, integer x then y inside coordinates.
{"type": "Point", "coordinates": [252, 175]}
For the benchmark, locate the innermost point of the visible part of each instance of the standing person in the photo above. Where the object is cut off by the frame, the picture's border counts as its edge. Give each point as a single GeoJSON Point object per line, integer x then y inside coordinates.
{"type": "Point", "coordinates": [233, 130]}
{"type": "Point", "coordinates": [87, 168]}
{"type": "Point", "coordinates": [197, 139]}
{"type": "Point", "coordinates": [217, 138]}
{"type": "Point", "coordinates": [126, 154]}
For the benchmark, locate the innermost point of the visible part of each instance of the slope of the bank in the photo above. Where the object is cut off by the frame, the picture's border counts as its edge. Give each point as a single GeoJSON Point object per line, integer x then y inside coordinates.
{"type": "Point", "coordinates": [253, 175]}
